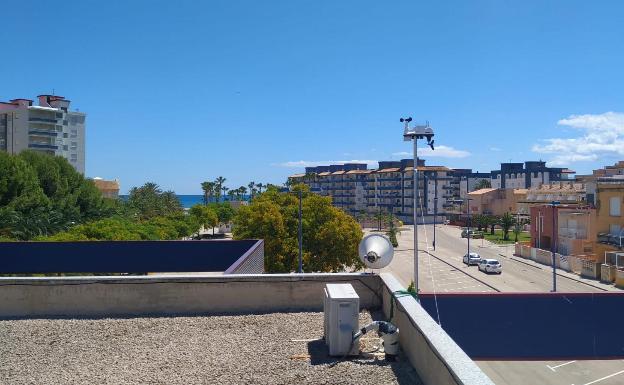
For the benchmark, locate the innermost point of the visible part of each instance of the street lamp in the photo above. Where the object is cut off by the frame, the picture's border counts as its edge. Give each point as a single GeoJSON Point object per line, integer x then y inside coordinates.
{"type": "Point", "coordinates": [413, 134]}
{"type": "Point", "coordinates": [299, 193]}
{"type": "Point", "coordinates": [553, 204]}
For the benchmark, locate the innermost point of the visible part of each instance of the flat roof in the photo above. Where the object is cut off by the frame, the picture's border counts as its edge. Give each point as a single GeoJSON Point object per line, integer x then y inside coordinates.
{"type": "Point", "coordinates": [482, 191]}
{"type": "Point", "coordinates": [262, 349]}
{"type": "Point", "coordinates": [359, 172]}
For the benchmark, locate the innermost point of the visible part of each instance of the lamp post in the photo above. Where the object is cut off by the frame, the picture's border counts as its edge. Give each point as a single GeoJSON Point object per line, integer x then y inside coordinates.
{"type": "Point", "coordinates": [413, 134]}
{"type": "Point", "coordinates": [300, 195]}
{"type": "Point", "coordinates": [553, 204]}
{"type": "Point", "coordinates": [435, 208]}
{"type": "Point", "coordinates": [468, 218]}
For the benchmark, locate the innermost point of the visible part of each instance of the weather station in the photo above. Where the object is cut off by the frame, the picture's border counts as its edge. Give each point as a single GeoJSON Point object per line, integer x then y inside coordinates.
{"type": "Point", "coordinates": [413, 134]}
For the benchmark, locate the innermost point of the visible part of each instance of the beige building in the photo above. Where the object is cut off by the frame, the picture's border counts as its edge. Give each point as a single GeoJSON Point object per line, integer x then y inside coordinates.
{"type": "Point", "coordinates": [494, 201]}
{"type": "Point", "coordinates": [108, 188]}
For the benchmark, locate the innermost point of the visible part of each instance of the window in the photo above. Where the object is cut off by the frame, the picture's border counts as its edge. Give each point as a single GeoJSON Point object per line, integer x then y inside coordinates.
{"type": "Point", "coordinates": [614, 229]}
{"type": "Point", "coordinates": [614, 206]}
{"type": "Point", "coordinates": [59, 115]}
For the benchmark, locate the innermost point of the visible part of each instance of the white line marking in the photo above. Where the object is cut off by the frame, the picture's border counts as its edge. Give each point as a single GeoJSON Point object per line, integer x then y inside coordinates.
{"type": "Point", "coordinates": [558, 366]}
{"type": "Point", "coordinates": [604, 378]}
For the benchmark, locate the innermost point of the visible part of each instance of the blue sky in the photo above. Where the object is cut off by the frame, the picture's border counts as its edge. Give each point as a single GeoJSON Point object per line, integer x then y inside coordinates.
{"type": "Point", "coordinates": [182, 92]}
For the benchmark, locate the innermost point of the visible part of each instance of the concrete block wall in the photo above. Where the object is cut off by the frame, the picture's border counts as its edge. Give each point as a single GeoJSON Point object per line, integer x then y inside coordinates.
{"type": "Point", "coordinates": [435, 356]}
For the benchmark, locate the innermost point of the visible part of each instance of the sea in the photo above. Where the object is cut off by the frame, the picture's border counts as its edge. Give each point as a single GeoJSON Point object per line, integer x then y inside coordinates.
{"type": "Point", "coordinates": [187, 201]}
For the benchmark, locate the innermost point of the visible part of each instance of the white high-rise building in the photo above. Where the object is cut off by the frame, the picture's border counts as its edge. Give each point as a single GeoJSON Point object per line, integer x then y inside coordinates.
{"type": "Point", "coordinates": [48, 127]}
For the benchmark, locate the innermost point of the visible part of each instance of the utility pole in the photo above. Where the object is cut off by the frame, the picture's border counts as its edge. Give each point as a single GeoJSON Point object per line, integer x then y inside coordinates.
{"type": "Point", "coordinates": [553, 205]}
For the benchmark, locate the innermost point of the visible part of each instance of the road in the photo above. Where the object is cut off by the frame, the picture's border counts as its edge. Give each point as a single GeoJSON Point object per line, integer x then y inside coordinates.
{"type": "Point", "coordinates": [443, 271]}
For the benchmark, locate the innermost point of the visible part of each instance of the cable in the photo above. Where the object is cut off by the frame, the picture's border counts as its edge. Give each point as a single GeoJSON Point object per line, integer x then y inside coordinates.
{"type": "Point", "coordinates": [435, 294]}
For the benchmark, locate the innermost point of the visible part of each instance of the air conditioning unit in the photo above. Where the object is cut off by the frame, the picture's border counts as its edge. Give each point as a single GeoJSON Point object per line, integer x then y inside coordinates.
{"type": "Point", "coordinates": [341, 307]}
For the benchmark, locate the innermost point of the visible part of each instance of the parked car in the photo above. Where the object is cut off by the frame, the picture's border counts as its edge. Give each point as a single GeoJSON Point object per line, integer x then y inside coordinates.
{"type": "Point", "coordinates": [472, 259]}
{"type": "Point", "coordinates": [490, 266]}
{"type": "Point", "coordinates": [473, 234]}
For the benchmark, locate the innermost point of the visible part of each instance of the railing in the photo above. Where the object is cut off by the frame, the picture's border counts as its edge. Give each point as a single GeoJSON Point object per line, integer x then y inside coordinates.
{"type": "Point", "coordinates": [43, 132]}
{"type": "Point", "coordinates": [42, 120]}
{"type": "Point", "coordinates": [43, 146]}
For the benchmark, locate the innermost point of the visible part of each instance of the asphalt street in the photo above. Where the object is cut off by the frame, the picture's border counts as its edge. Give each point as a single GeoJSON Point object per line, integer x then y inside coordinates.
{"type": "Point", "coordinates": [442, 271]}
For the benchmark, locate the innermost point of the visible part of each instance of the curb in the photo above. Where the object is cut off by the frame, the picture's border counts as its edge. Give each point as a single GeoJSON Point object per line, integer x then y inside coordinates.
{"type": "Point", "coordinates": [558, 274]}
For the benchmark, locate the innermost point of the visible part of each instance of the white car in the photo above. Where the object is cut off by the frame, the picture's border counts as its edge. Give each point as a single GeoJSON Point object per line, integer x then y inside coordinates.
{"type": "Point", "coordinates": [472, 259]}
{"type": "Point", "coordinates": [490, 266]}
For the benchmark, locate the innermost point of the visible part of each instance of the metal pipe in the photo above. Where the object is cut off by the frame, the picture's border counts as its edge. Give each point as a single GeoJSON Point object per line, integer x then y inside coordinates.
{"type": "Point", "coordinates": [435, 208]}
{"type": "Point", "coordinates": [468, 218]}
{"type": "Point", "coordinates": [415, 204]}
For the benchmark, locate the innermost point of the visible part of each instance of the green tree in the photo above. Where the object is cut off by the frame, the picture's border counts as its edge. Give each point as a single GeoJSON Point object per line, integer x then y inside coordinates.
{"type": "Point", "coordinates": [330, 236]}
{"type": "Point", "coordinates": [483, 183]}
{"type": "Point", "coordinates": [149, 201]}
{"type": "Point", "coordinates": [204, 216]}
{"type": "Point", "coordinates": [392, 230]}
{"type": "Point", "coordinates": [506, 221]}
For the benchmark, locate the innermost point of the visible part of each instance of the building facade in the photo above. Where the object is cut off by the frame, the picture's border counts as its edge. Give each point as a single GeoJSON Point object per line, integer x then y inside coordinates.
{"type": "Point", "coordinates": [108, 188]}
{"type": "Point", "coordinates": [357, 189]}
{"type": "Point", "coordinates": [49, 127]}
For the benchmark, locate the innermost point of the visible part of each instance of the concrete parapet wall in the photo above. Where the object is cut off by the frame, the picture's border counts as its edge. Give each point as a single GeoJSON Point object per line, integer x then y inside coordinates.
{"type": "Point", "coordinates": [436, 357]}
{"type": "Point", "coordinates": [171, 295]}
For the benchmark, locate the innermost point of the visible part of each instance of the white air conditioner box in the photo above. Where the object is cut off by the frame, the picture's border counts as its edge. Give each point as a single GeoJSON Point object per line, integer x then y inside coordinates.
{"type": "Point", "coordinates": [341, 306]}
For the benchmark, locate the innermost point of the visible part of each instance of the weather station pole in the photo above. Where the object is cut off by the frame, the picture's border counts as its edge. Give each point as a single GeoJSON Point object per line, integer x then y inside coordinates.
{"type": "Point", "coordinates": [413, 134]}
{"type": "Point", "coordinates": [435, 208]}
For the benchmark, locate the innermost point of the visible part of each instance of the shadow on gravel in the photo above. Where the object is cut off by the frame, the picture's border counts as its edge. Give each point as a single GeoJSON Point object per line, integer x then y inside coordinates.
{"type": "Point", "coordinates": [403, 370]}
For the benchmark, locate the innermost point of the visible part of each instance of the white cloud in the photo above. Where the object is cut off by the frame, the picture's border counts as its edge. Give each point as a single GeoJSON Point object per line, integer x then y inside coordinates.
{"type": "Point", "coordinates": [602, 135]}
{"type": "Point", "coordinates": [314, 163]}
{"type": "Point", "coordinates": [440, 152]}
{"type": "Point", "coordinates": [495, 149]}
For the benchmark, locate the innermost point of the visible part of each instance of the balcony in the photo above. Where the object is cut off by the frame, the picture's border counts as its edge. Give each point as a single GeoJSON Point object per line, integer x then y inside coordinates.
{"type": "Point", "coordinates": [43, 146]}
{"type": "Point", "coordinates": [42, 120]}
{"type": "Point", "coordinates": [42, 132]}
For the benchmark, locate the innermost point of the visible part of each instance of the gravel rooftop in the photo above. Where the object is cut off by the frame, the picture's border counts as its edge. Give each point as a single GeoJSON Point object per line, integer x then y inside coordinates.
{"type": "Point", "coordinates": [278, 348]}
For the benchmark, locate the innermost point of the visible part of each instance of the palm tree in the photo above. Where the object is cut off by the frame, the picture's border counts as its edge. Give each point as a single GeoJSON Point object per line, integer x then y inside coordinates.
{"type": "Point", "coordinates": [242, 191]}
{"type": "Point", "coordinates": [219, 185]}
{"type": "Point", "coordinates": [251, 186]}
{"type": "Point", "coordinates": [231, 194]}
{"type": "Point", "coordinates": [506, 221]}
{"type": "Point", "coordinates": [260, 186]}
{"type": "Point", "coordinates": [224, 189]}
{"type": "Point", "coordinates": [208, 188]}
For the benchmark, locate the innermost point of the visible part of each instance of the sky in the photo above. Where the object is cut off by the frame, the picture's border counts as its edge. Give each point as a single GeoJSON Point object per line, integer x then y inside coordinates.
{"type": "Point", "coordinates": [180, 92]}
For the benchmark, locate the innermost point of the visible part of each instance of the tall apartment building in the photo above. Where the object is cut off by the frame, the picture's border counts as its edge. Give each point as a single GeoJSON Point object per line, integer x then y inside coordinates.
{"type": "Point", "coordinates": [48, 127]}
{"type": "Point", "coordinates": [355, 188]}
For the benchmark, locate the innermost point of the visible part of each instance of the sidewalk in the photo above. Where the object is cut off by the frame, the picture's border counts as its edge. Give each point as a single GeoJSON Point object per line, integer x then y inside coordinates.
{"type": "Point", "coordinates": [509, 250]}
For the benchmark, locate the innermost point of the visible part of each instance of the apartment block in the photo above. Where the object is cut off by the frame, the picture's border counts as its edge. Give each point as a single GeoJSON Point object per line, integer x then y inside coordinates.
{"type": "Point", "coordinates": [527, 175]}
{"type": "Point", "coordinates": [49, 127]}
{"type": "Point", "coordinates": [356, 189]}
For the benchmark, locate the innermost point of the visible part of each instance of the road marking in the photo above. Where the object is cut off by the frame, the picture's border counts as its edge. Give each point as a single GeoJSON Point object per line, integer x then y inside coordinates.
{"type": "Point", "coordinates": [605, 377]}
{"type": "Point", "coordinates": [558, 366]}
